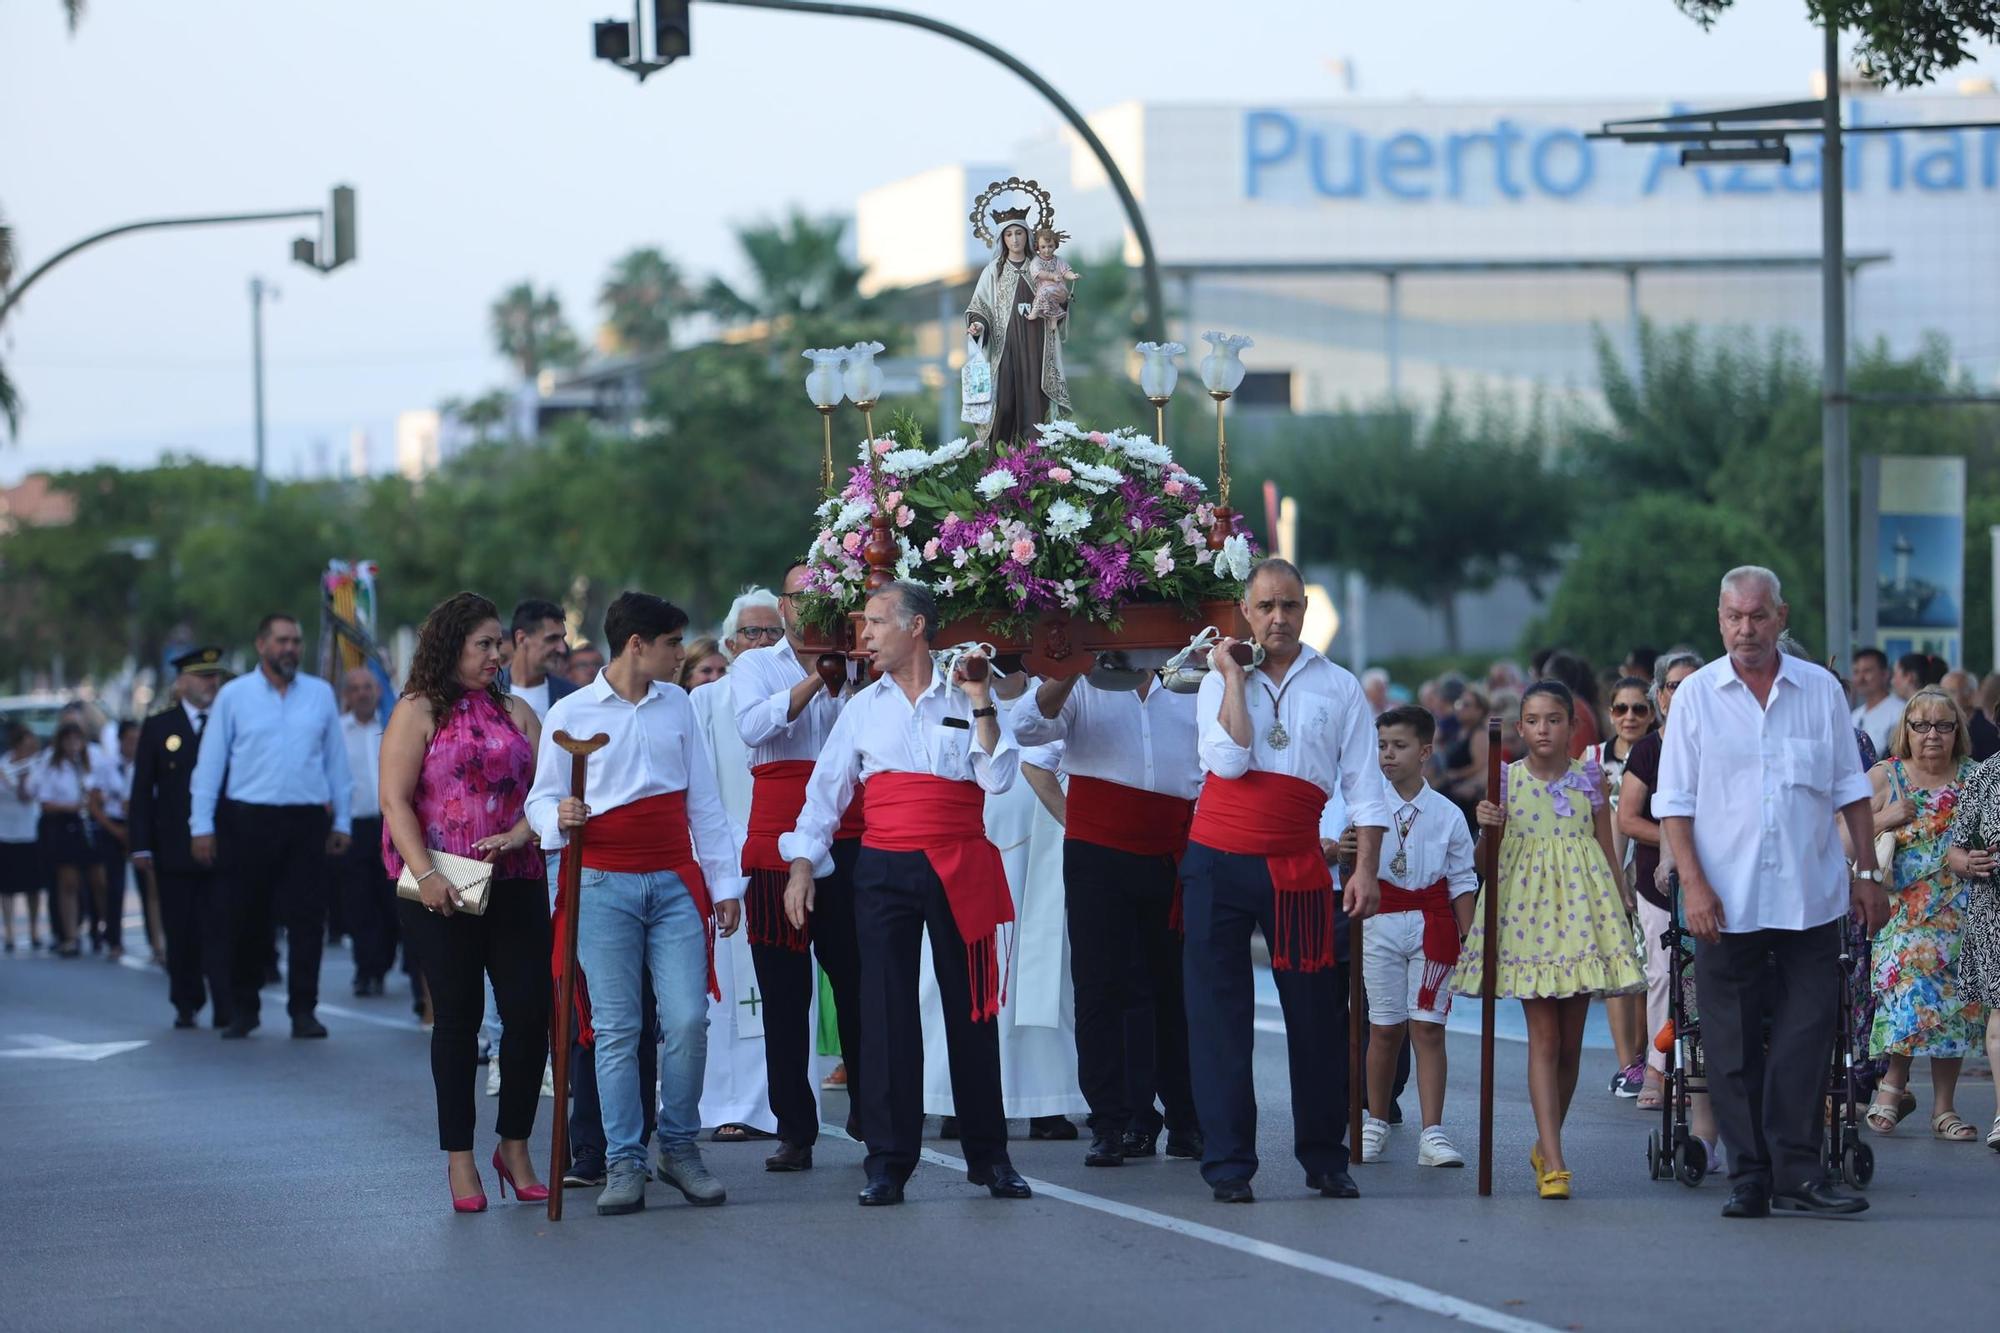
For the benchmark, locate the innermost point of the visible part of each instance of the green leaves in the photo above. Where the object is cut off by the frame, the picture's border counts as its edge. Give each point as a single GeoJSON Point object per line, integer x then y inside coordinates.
{"type": "Point", "coordinates": [1905, 43]}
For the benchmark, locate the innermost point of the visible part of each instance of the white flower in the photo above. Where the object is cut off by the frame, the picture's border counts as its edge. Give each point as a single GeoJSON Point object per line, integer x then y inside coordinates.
{"type": "Point", "coordinates": [909, 560]}
{"type": "Point", "coordinates": [1234, 561]}
{"type": "Point", "coordinates": [946, 586]}
{"type": "Point", "coordinates": [1066, 519]}
{"type": "Point", "coordinates": [903, 461]}
{"type": "Point", "coordinates": [851, 515]}
{"type": "Point", "coordinates": [1163, 562]}
{"type": "Point", "coordinates": [993, 483]}
{"type": "Point", "coordinates": [1061, 430]}
{"type": "Point", "coordinates": [1097, 478]}
{"type": "Point", "coordinates": [1140, 449]}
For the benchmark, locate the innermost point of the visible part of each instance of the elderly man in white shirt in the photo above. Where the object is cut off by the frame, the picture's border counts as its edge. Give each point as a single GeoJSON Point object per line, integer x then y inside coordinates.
{"type": "Point", "coordinates": [368, 898]}
{"type": "Point", "coordinates": [1757, 765]}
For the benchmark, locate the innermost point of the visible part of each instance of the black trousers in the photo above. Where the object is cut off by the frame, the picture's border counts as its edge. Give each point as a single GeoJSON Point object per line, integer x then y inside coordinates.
{"type": "Point", "coordinates": [368, 897]}
{"type": "Point", "coordinates": [586, 1110]}
{"type": "Point", "coordinates": [785, 978]}
{"type": "Point", "coordinates": [510, 942]}
{"type": "Point", "coordinates": [1768, 1105]}
{"type": "Point", "coordinates": [1125, 963]}
{"type": "Point", "coordinates": [183, 899]}
{"type": "Point", "coordinates": [1222, 897]}
{"type": "Point", "coordinates": [897, 896]}
{"type": "Point", "coordinates": [271, 869]}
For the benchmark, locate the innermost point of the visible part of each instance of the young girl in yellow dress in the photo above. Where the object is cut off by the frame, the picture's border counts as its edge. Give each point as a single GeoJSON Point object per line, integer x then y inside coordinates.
{"type": "Point", "coordinates": [1565, 933]}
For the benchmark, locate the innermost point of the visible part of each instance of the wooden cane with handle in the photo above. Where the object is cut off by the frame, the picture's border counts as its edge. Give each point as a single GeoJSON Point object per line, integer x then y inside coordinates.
{"type": "Point", "coordinates": [1357, 1064]}
{"type": "Point", "coordinates": [1489, 871]}
{"type": "Point", "coordinates": [570, 886]}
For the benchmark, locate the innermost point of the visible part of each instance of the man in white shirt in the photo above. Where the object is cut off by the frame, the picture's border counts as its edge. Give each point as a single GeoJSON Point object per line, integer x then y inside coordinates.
{"type": "Point", "coordinates": [1758, 763]}
{"type": "Point", "coordinates": [659, 876]}
{"type": "Point", "coordinates": [541, 652]}
{"type": "Point", "coordinates": [368, 899]}
{"type": "Point", "coordinates": [1133, 776]}
{"type": "Point", "coordinates": [1880, 708]}
{"type": "Point", "coordinates": [929, 749]}
{"type": "Point", "coordinates": [1276, 741]}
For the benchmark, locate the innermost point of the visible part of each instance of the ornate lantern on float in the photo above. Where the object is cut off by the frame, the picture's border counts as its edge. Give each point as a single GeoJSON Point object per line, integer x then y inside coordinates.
{"type": "Point", "coordinates": [1222, 372]}
{"type": "Point", "coordinates": [1157, 377]}
{"type": "Point", "coordinates": [823, 386]}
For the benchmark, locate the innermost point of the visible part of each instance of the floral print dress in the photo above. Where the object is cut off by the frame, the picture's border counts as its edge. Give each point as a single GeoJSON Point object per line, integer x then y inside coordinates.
{"type": "Point", "coordinates": [1920, 1008]}
{"type": "Point", "coordinates": [1563, 928]}
{"type": "Point", "coordinates": [1978, 826]}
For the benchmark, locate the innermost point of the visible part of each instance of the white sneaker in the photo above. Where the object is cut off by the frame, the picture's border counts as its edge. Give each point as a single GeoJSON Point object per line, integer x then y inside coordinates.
{"type": "Point", "coordinates": [1374, 1137]}
{"type": "Point", "coordinates": [493, 1078]}
{"type": "Point", "coordinates": [1434, 1149]}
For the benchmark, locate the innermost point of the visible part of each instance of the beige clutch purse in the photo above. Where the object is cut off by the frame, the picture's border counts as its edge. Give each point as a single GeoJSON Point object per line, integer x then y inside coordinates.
{"type": "Point", "coordinates": [471, 880]}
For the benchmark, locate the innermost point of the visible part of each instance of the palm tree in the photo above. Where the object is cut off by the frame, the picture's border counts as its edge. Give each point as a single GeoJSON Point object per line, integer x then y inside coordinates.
{"type": "Point", "coordinates": [801, 283]}
{"type": "Point", "coordinates": [642, 298]}
{"type": "Point", "coordinates": [10, 398]}
{"type": "Point", "coordinates": [529, 330]}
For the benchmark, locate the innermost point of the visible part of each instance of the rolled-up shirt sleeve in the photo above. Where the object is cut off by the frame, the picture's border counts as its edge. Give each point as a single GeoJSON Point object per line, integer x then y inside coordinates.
{"type": "Point", "coordinates": [763, 704]}
{"type": "Point", "coordinates": [994, 772]}
{"type": "Point", "coordinates": [1459, 873]}
{"type": "Point", "coordinates": [1219, 753]}
{"type": "Point", "coordinates": [1031, 728]}
{"type": "Point", "coordinates": [1360, 771]}
{"type": "Point", "coordinates": [1680, 760]}
{"type": "Point", "coordinates": [828, 792]}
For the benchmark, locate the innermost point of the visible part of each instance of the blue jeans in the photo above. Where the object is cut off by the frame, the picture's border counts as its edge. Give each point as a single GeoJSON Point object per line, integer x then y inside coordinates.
{"type": "Point", "coordinates": [627, 924]}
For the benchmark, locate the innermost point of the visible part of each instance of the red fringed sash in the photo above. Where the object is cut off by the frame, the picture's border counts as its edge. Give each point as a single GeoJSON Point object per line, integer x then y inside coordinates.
{"type": "Point", "coordinates": [1277, 817]}
{"type": "Point", "coordinates": [946, 821]}
{"type": "Point", "coordinates": [1130, 819]}
{"type": "Point", "coordinates": [776, 798]}
{"type": "Point", "coordinates": [1440, 932]}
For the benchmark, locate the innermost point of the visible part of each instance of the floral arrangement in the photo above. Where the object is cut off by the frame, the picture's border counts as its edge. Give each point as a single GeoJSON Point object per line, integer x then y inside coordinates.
{"type": "Point", "coordinates": [1080, 521]}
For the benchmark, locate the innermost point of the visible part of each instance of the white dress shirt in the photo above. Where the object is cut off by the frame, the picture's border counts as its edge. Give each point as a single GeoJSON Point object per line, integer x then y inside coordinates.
{"type": "Point", "coordinates": [1438, 845]}
{"type": "Point", "coordinates": [1763, 785]}
{"type": "Point", "coordinates": [60, 784]}
{"type": "Point", "coordinates": [197, 717]}
{"type": "Point", "coordinates": [881, 731]}
{"type": "Point", "coordinates": [1326, 717]}
{"type": "Point", "coordinates": [760, 684]}
{"type": "Point", "coordinates": [655, 748]}
{"type": "Point", "coordinates": [20, 816]}
{"type": "Point", "coordinates": [113, 781]}
{"type": "Point", "coordinates": [1116, 736]}
{"type": "Point", "coordinates": [364, 764]}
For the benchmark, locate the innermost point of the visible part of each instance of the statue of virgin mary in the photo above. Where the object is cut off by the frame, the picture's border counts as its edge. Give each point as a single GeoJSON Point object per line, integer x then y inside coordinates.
{"type": "Point", "coordinates": [1025, 355]}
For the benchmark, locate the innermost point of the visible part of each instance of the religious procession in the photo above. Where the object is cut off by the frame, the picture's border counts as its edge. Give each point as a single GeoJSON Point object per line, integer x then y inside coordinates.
{"type": "Point", "coordinates": [1033, 805]}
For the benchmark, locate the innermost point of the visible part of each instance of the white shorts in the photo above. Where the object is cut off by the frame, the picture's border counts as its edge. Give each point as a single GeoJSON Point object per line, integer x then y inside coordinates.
{"type": "Point", "coordinates": [1392, 967]}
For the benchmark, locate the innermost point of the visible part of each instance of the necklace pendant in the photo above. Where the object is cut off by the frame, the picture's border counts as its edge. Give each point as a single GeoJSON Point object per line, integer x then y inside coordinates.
{"type": "Point", "coordinates": [1400, 866]}
{"type": "Point", "coordinates": [1277, 737]}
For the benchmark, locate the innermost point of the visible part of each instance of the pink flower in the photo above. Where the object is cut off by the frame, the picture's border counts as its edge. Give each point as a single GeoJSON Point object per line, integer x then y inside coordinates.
{"type": "Point", "coordinates": [931, 549]}
{"type": "Point", "coordinates": [895, 498]}
{"type": "Point", "coordinates": [1163, 562]}
{"type": "Point", "coordinates": [1096, 437]}
{"type": "Point", "coordinates": [883, 447]}
{"type": "Point", "coordinates": [1024, 550]}
{"type": "Point", "coordinates": [1174, 487]}
{"type": "Point", "coordinates": [826, 538]}
{"type": "Point", "coordinates": [905, 516]}
{"type": "Point", "coordinates": [851, 542]}
{"type": "Point", "coordinates": [1061, 474]}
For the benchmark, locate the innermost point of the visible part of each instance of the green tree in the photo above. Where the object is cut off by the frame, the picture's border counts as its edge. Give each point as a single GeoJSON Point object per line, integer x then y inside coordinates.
{"type": "Point", "coordinates": [482, 415]}
{"type": "Point", "coordinates": [10, 398]}
{"type": "Point", "coordinates": [1904, 43]}
{"type": "Point", "coordinates": [803, 292]}
{"type": "Point", "coordinates": [530, 331]}
{"type": "Point", "coordinates": [643, 297]}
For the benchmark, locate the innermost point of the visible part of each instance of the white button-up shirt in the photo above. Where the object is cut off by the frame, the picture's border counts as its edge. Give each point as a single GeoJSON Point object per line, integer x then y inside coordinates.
{"type": "Point", "coordinates": [1118, 737]}
{"type": "Point", "coordinates": [760, 686]}
{"type": "Point", "coordinates": [1438, 845]}
{"type": "Point", "coordinates": [364, 764]}
{"type": "Point", "coordinates": [881, 731]}
{"type": "Point", "coordinates": [655, 748]}
{"type": "Point", "coordinates": [1326, 717]}
{"type": "Point", "coordinates": [1763, 786]}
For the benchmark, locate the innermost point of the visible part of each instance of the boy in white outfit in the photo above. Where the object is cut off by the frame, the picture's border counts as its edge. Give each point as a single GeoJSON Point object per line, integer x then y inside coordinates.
{"type": "Point", "coordinates": [1408, 949]}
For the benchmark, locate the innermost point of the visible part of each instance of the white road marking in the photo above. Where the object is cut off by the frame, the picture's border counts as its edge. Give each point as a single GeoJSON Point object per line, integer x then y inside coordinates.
{"type": "Point", "coordinates": [41, 1046]}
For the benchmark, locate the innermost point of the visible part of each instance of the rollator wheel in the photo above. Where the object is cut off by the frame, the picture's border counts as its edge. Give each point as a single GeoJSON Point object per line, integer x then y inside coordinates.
{"type": "Point", "coordinates": [1691, 1162]}
{"type": "Point", "coordinates": [1655, 1158]}
{"type": "Point", "coordinates": [1857, 1165]}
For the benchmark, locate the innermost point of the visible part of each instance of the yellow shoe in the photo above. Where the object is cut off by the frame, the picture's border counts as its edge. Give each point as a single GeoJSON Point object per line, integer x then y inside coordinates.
{"type": "Point", "coordinates": [1555, 1185]}
{"type": "Point", "coordinates": [1535, 1159]}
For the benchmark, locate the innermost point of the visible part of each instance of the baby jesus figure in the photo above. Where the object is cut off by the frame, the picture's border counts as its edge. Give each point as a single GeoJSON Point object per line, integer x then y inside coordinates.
{"type": "Point", "coordinates": [1049, 276]}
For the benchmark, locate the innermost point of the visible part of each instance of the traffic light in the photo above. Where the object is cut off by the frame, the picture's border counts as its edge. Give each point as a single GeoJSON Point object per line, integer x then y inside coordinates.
{"type": "Point", "coordinates": [343, 226]}
{"type": "Point", "coordinates": [612, 40]}
{"type": "Point", "coordinates": [672, 36]}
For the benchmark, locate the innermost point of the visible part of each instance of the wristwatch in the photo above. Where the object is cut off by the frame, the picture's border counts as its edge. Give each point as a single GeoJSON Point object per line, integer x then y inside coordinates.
{"type": "Point", "coordinates": [1876, 876]}
{"type": "Point", "coordinates": [989, 711]}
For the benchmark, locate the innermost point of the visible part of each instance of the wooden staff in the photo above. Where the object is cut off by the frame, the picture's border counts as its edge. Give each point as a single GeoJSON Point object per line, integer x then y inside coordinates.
{"type": "Point", "coordinates": [571, 887]}
{"type": "Point", "coordinates": [1357, 1063]}
{"type": "Point", "coordinates": [1489, 869]}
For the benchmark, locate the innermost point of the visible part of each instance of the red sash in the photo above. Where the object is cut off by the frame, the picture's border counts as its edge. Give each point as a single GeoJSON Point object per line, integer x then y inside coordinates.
{"type": "Point", "coordinates": [1441, 942]}
{"type": "Point", "coordinates": [1277, 817]}
{"type": "Point", "coordinates": [776, 798]}
{"type": "Point", "coordinates": [1127, 819]}
{"type": "Point", "coordinates": [647, 835]}
{"type": "Point", "coordinates": [946, 821]}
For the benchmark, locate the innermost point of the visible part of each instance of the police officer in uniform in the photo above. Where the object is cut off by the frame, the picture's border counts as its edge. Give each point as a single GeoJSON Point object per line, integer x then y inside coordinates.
{"type": "Point", "coordinates": [157, 811]}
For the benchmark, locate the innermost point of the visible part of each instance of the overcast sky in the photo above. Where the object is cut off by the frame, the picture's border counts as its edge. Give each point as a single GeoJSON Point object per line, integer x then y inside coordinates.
{"type": "Point", "coordinates": [489, 147]}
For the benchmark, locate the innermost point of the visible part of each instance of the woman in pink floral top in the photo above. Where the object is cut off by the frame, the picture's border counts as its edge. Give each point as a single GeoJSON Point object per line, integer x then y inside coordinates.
{"type": "Point", "coordinates": [458, 758]}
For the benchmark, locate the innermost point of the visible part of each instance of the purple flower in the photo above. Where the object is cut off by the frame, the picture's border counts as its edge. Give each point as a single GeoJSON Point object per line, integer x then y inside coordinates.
{"type": "Point", "coordinates": [1143, 509]}
{"type": "Point", "coordinates": [1111, 567]}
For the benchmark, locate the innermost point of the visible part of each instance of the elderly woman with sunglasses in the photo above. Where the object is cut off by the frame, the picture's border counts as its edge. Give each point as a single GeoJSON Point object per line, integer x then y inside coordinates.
{"type": "Point", "coordinates": [1921, 1009]}
{"type": "Point", "coordinates": [1631, 713]}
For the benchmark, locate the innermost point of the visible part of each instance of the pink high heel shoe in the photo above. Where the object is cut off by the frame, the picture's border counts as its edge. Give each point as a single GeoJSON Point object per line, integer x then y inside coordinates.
{"type": "Point", "coordinates": [522, 1193]}
{"type": "Point", "coordinates": [471, 1203]}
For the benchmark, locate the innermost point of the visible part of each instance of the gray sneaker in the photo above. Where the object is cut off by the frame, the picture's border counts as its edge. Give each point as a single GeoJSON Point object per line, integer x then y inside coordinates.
{"type": "Point", "coordinates": [681, 1166]}
{"type": "Point", "coordinates": [624, 1190]}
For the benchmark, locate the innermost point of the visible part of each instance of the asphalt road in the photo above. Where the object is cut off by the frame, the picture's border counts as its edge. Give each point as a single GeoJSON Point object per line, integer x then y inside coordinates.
{"type": "Point", "coordinates": [168, 1180]}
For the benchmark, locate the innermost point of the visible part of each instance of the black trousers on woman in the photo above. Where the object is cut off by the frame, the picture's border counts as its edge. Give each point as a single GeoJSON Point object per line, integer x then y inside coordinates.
{"type": "Point", "coordinates": [510, 942]}
{"type": "Point", "coordinates": [785, 978]}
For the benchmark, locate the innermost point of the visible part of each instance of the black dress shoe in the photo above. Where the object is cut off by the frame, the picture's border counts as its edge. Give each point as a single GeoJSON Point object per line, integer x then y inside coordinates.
{"type": "Point", "coordinates": [881, 1193]}
{"type": "Point", "coordinates": [948, 1127]}
{"type": "Point", "coordinates": [308, 1027]}
{"type": "Point", "coordinates": [1748, 1200]}
{"type": "Point", "coordinates": [1233, 1191]}
{"type": "Point", "coordinates": [240, 1028]}
{"type": "Point", "coordinates": [1135, 1144]}
{"type": "Point", "coordinates": [790, 1157]}
{"type": "Point", "coordinates": [183, 1019]}
{"type": "Point", "coordinates": [1051, 1127]}
{"type": "Point", "coordinates": [1106, 1149]}
{"type": "Point", "coordinates": [1187, 1143]}
{"type": "Point", "coordinates": [1818, 1199]}
{"type": "Point", "coordinates": [1002, 1181]}
{"type": "Point", "coordinates": [1335, 1185]}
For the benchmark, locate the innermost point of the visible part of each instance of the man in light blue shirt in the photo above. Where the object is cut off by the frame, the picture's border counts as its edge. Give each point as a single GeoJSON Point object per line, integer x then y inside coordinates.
{"type": "Point", "coordinates": [270, 802]}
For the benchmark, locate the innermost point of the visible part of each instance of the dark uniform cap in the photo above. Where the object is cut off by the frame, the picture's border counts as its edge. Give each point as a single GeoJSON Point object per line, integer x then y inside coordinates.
{"type": "Point", "coordinates": [200, 662]}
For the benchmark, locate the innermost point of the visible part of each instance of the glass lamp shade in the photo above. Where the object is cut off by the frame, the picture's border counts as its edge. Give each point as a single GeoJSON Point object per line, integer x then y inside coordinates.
{"type": "Point", "coordinates": [823, 383]}
{"type": "Point", "coordinates": [862, 376]}
{"type": "Point", "coordinates": [1157, 372]}
{"type": "Point", "coordinates": [1222, 370]}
